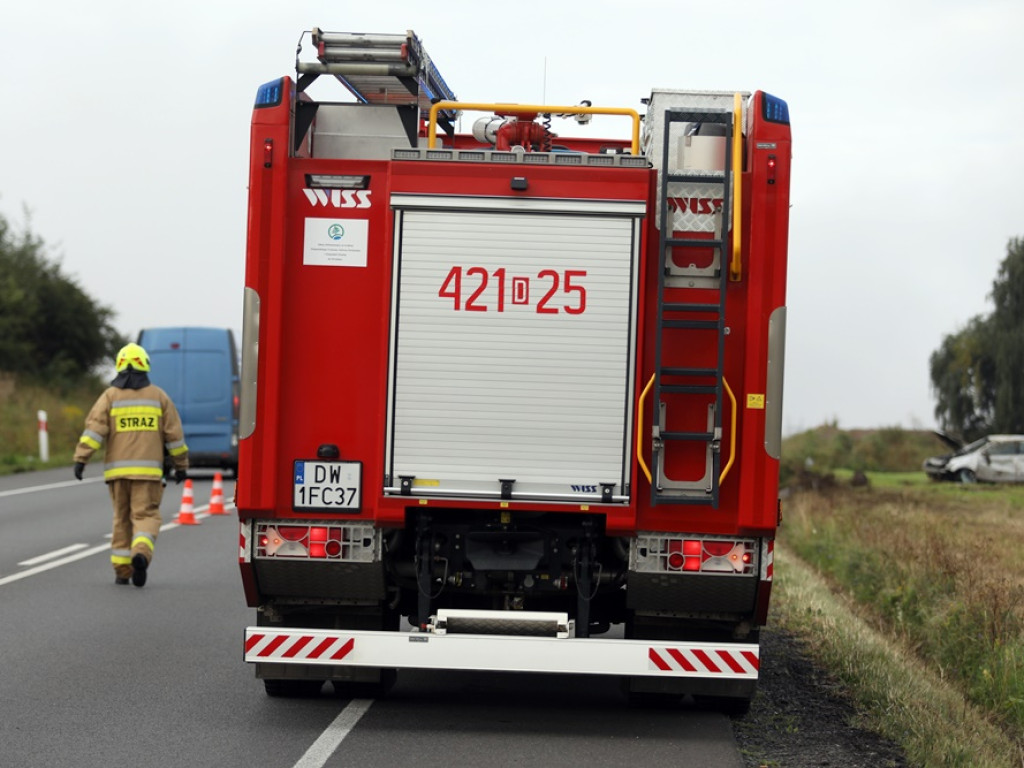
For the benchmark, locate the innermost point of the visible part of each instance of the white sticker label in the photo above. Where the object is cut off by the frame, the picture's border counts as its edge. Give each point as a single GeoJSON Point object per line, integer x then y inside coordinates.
{"type": "Point", "coordinates": [335, 242]}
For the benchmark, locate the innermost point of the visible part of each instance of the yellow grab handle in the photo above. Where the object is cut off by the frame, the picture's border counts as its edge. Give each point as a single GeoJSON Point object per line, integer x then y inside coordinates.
{"type": "Point", "coordinates": [640, 425]}
{"type": "Point", "coordinates": [640, 429]}
{"type": "Point", "coordinates": [735, 269]}
{"type": "Point", "coordinates": [732, 434]}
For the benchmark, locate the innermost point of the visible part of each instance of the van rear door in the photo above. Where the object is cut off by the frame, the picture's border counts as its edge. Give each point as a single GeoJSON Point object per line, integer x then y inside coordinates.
{"type": "Point", "coordinates": [198, 370]}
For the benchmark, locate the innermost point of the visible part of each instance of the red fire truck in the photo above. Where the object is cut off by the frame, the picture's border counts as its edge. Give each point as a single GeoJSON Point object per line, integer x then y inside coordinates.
{"type": "Point", "coordinates": [511, 394]}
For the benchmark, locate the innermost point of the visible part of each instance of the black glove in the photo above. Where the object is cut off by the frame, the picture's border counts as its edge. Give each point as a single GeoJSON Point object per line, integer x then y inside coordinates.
{"type": "Point", "coordinates": [179, 475]}
{"type": "Point", "coordinates": [79, 469]}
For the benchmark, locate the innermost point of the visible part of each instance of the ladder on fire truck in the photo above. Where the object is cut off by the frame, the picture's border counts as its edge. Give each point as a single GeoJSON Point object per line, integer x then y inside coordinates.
{"type": "Point", "coordinates": [378, 69]}
{"type": "Point", "coordinates": [691, 305]}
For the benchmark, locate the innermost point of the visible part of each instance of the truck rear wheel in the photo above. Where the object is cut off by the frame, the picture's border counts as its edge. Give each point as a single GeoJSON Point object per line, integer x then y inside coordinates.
{"type": "Point", "coordinates": [727, 705]}
{"type": "Point", "coordinates": [352, 689]}
{"type": "Point", "coordinates": [293, 689]}
{"type": "Point", "coordinates": [651, 699]}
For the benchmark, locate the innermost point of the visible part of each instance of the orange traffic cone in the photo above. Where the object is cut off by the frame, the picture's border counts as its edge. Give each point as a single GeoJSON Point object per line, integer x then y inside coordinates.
{"type": "Point", "coordinates": [186, 516]}
{"type": "Point", "coordinates": [217, 496]}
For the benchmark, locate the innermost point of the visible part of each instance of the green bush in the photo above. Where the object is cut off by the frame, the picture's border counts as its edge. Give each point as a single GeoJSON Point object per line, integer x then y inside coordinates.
{"type": "Point", "coordinates": [828, 448]}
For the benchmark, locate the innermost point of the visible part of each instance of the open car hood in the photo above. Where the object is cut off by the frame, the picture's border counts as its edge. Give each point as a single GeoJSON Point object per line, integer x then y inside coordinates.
{"type": "Point", "coordinates": [952, 442]}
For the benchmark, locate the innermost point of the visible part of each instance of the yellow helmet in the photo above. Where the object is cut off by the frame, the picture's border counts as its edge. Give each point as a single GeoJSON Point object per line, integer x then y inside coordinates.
{"type": "Point", "coordinates": [133, 355]}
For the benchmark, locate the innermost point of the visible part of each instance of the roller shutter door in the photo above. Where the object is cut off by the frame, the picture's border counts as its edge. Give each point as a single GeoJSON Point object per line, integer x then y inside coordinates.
{"type": "Point", "coordinates": [512, 351]}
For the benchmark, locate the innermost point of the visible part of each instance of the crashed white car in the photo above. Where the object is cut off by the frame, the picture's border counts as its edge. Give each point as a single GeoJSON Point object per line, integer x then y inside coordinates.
{"type": "Point", "coordinates": [993, 459]}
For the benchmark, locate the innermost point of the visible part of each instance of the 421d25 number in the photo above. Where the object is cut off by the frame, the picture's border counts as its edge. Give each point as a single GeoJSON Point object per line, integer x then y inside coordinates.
{"type": "Point", "coordinates": [474, 289]}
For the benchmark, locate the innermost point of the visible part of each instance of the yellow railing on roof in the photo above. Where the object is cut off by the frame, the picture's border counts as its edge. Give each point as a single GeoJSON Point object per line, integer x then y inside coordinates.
{"type": "Point", "coordinates": [540, 110]}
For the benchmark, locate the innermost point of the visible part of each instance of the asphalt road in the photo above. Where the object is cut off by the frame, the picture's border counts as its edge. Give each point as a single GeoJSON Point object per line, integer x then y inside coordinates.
{"type": "Point", "coordinates": [96, 674]}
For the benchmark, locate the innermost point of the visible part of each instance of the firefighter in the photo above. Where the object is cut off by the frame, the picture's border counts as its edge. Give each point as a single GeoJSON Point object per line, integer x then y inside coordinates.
{"type": "Point", "coordinates": [139, 424]}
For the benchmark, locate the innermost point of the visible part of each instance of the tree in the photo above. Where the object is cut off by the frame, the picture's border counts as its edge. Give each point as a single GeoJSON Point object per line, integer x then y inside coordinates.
{"type": "Point", "coordinates": [1007, 340]}
{"type": "Point", "coordinates": [978, 373]}
{"type": "Point", "coordinates": [963, 375]}
{"type": "Point", "coordinates": [49, 327]}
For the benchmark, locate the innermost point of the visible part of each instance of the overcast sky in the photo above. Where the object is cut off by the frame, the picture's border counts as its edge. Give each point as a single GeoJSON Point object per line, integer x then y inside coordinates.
{"type": "Point", "coordinates": [124, 133]}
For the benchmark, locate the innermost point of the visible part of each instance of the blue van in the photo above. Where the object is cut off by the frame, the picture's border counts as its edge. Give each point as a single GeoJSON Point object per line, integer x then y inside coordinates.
{"type": "Point", "coordinates": [198, 369]}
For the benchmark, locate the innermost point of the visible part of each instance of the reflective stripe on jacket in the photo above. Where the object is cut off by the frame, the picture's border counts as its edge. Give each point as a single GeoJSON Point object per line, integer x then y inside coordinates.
{"type": "Point", "coordinates": [137, 426]}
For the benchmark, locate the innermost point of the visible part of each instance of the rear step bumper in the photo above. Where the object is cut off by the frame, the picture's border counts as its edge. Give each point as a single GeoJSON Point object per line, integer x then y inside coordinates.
{"type": "Point", "coordinates": [502, 653]}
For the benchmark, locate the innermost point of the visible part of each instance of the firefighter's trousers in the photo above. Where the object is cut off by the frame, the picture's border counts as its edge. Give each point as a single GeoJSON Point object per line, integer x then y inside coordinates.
{"type": "Point", "coordinates": [136, 521]}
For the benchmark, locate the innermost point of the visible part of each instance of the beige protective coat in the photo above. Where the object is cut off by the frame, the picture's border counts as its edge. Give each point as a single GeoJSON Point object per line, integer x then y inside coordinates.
{"type": "Point", "coordinates": [137, 426]}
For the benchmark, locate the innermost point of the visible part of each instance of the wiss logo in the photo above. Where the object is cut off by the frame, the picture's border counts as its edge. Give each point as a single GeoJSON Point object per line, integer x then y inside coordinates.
{"type": "Point", "coordinates": [339, 198]}
{"type": "Point", "coordinates": [698, 205]}
{"type": "Point", "coordinates": [584, 488]}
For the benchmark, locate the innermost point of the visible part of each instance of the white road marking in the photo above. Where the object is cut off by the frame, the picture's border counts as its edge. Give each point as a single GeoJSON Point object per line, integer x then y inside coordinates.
{"type": "Point", "coordinates": [51, 555]}
{"type": "Point", "coordinates": [50, 487]}
{"type": "Point", "coordinates": [56, 563]}
{"type": "Point", "coordinates": [322, 749]}
{"type": "Point", "coordinates": [86, 552]}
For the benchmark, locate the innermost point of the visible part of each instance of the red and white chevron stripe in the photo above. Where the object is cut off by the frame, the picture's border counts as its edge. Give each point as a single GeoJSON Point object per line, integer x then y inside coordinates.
{"type": "Point", "coordinates": [767, 559]}
{"type": "Point", "coordinates": [272, 647]}
{"type": "Point", "coordinates": [718, 661]}
{"type": "Point", "coordinates": [424, 650]}
{"type": "Point", "coordinates": [243, 541]}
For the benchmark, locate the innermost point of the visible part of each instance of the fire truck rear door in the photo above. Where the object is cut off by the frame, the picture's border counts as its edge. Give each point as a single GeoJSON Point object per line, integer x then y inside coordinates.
{"type": "Point", "coordinates": [512, 347]}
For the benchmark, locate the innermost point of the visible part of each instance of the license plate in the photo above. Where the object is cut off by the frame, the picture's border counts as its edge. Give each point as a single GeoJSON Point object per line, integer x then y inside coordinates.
{"type": "Point", "coordinates": [330, 485]}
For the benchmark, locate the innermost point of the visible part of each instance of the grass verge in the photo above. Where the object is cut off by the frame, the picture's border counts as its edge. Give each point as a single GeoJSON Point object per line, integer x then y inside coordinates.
{"type": "Point", "coordinates": [899, 695]}
{"type": "Point", "coordinates": [19, 430]}
{"type": "Point", "coordinates": [936, 569]}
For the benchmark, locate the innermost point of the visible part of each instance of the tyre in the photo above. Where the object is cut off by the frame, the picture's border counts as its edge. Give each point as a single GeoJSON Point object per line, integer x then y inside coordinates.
{"type": "Point", "coordinates": [728, 705]}
{"type": "Point", "coordinates": [648, 700]}
{"type": "Point", "coordinates": [966, 476]}
{"type": "Point", "coordinates": [293, 689]}
{"type": "Point", "coordinates": [351, 689]}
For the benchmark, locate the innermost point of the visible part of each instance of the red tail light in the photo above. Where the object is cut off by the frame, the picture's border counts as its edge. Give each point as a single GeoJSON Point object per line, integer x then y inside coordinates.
{"type": "Point", "coordinates": [292, 532]}
{"type": "Point", "coordinates": [676, 560]}
{"type": "Point", "coordinates": [349, 542]}
{"type": "Point", "coordinates": [719, 548]}
{"type": "Point", "coordinates": [693, 554]}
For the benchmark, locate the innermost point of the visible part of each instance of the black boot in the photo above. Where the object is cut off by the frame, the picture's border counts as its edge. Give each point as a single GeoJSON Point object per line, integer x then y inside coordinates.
{"type": "Point", "coordinates": [139, 564]}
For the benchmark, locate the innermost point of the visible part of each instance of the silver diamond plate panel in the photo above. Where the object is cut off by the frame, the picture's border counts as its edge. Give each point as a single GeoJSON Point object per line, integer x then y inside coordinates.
{"type": "Point", "coordinates": [652, 145]}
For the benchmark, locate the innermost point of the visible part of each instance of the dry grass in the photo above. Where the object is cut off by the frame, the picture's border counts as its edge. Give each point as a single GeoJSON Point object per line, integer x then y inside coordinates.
{"type": "Point", "coordinates": [19, 431]}
{"type": "Point", "coordinates": [901, 696]}
{"type": "Point", "coordinates": [935, 574]}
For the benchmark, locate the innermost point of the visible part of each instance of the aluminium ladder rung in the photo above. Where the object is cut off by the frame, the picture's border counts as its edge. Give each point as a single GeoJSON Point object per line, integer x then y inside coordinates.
{"type": "Point", "coordinates": [691, 324]}
{"type": "Point", "coordinates": [699, 496]}
{"type": "Point", "coordinates": [703, 437]}
{"type": "Point", "coordinates": [695, 177]}
{"type": "Point", "coordinates": [689, 389]}
{"type": "Point", "coordinates": [379, 68]}
{"type": "Point", "coordinates": [689, 371]}
{"type": "Point", "coordinates": [689, 242]}
{"type": "Point", "coordinates": [698, 115]}
{"type": "Point", "coordinates": [685, 307]}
